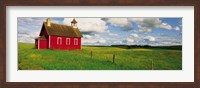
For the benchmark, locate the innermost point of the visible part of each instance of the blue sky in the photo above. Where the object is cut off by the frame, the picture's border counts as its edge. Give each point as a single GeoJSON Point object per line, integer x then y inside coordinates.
{"type": "Point", "coordinates": [112, 31]}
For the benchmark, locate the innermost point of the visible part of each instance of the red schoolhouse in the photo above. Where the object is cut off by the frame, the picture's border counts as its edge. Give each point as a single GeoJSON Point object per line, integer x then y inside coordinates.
{"type": "Point", "coordinates": [58, 36]}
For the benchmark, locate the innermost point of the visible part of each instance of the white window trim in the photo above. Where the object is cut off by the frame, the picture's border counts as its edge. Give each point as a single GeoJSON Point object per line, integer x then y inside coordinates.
{"type": "Point", "coordinates": [67, 41]}
{"type": "Point", "coordinates": [75, 43]}
{"type": "Point", "coordinates": [59, 43]}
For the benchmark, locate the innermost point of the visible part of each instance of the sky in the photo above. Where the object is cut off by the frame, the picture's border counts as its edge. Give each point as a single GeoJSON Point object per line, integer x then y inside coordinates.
{"type": "Point", "coordinates": [111, 31]}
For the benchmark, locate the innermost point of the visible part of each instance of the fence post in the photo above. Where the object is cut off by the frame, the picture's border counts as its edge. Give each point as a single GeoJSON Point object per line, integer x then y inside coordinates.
{"type": "Point", "coordinates": [151, 64]}
{"type": "Point", "coordinates": [91, 54]}
{"type": "Point", "coordinates": [113, 58]}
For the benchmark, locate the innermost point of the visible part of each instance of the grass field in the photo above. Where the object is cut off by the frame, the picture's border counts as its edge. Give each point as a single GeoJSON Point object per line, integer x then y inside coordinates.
{"type": "Point", "coordinates": [30, 58]}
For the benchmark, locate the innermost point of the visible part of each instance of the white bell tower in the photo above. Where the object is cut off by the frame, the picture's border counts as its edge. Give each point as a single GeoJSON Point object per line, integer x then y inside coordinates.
{"type": "Point", "coordinates": [74, 23]}
{"type": "Point", "coordinates": [48, 22]}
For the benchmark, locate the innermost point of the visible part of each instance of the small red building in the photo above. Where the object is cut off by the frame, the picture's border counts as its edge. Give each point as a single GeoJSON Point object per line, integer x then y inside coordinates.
{"type": "Point", "coordinates": [58, 36]}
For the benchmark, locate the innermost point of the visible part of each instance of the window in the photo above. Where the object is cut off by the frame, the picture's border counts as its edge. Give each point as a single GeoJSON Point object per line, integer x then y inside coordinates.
{"type": "Point", "coordinates": [75, 41]}
{"type": "Point", "coordinates": [59, 40]}
{"type": "Point", "coordinates": [67, 41]}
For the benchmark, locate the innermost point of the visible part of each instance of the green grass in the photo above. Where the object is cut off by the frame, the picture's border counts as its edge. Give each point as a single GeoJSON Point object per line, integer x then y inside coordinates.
{"type": "Point", "coordinates": [30, 58]}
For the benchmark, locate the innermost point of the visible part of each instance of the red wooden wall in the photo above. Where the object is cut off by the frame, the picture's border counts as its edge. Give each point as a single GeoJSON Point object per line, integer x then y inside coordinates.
{"type": "Point", "coordinates": [42, 44]}
{"type": "Point", "coordinates": [63, 45]}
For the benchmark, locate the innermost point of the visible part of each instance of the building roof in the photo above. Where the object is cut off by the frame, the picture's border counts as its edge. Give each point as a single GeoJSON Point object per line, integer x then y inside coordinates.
{"type": "Point", "coordinates": [62, 30]}
{"type": "Point", "coordinates": [73, 21]}
{"type": "Point", "coordinates": [41, 38]}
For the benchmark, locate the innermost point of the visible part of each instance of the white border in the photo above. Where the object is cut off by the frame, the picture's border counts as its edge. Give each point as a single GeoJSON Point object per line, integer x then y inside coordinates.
{"type": "Point", "coordinates": [185, 75]}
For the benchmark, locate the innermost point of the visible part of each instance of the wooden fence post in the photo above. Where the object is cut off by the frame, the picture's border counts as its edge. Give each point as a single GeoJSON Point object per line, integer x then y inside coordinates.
{"type": "Point", "coordinates": [91, 54]}
{"type": "Point", "coordinates": [113, 58]}
{"type": "Point", "coordinates": [151, 64]}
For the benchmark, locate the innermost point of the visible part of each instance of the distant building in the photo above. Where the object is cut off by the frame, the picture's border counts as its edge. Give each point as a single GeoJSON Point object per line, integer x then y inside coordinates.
{"type": "Point", "coordinates": [58, 36]}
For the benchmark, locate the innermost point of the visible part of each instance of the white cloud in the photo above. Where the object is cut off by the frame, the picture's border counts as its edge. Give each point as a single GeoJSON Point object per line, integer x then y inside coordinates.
{"type": "Point", "coordinates": [29, 28]}
{"type": "Point", "coordinates": [121, 22]}
{"type": "Point", "coordinates": [88, 36]}
{"type": "Point", "coordinates": [28, 37]}
{"type": "Point", "coordinates": [166, 40]}
{"type": "Point", "coordinates": [97, 36]}
{"type": "Point", "coordinates": [177, 28]}
{"type": "Point", "coordinates": [37, 21]}
{"type": "Point", "coordinates": [134, 35]}
{"type": "Point", "coordinates": [101, 41]}
{"type": "Point", "coordinates": [150, 38]}
{"type": "Point", "coordinates": [165, 26]}
{"type": "Point", "coordinates": [144, 24]}
{"type": "Point", "coordinates": [94, 39]}
{"type": "Point", "coordinates": [129, 40]}
{"type": "Point", "coordinates": [112, 34]}
{"type": "Point", "coordinates": [90, 41]}
{"type": "Point", "coordinates": [88, 25]}
{"type": "Point", "coordinates": [148, 24]}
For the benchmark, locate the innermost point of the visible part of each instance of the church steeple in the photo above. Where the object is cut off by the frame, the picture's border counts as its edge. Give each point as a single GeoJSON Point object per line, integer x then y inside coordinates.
{"type": "Point", "coordinates": [74, 23]}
